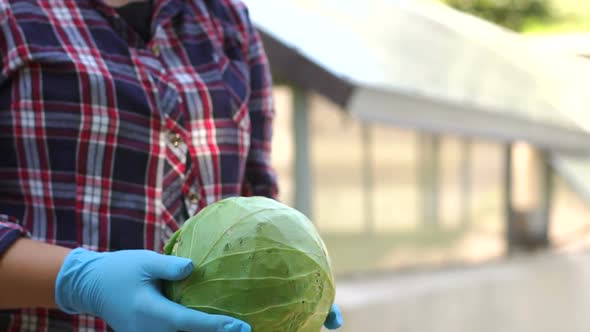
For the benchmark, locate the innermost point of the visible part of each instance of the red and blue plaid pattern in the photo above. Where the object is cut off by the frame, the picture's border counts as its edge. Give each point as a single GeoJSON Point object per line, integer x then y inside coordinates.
{"type": "Point", "coordinates": [109, 143]}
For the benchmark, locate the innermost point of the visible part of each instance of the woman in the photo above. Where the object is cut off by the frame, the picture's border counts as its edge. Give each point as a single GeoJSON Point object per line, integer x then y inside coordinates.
{"type": "Point", "coordinates": [118, 121]}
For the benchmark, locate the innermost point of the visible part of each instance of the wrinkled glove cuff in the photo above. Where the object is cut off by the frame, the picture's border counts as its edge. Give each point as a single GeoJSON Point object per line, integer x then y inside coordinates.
{"type": "Point", "coordinates": [69, 287]}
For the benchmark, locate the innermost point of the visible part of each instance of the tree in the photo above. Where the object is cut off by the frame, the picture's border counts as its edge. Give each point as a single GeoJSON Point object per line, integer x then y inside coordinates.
{"type": "Point", "coordinates": [512, 14]}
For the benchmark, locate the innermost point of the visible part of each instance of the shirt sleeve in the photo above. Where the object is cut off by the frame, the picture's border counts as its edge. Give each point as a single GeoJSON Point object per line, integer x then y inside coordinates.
{"type": "Point", "coordinates": [10, 231]}
{"type": "Point", "coordinates": [260, 177]}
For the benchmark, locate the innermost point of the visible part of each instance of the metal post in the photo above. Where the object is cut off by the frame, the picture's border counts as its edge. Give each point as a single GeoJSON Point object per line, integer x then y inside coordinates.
{"type": "Point", "coordinates": [508, 213]}
{"type": "Point", "coordinates": [466, 185]}
{"type": "Point", "coordinates": [302, 158]}
{"type": "Point", "coordinates": [428, 179]}
{"type": "Point", "coordinates": [544, 214]}
{"type": "Point", "coordinates": [368, 177]}
{"type": "Point", "coordinates": [528, 198]}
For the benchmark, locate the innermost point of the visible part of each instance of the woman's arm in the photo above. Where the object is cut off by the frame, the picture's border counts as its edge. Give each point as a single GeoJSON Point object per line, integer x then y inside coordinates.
{"type": "Point", "coordinates": [121, 287]}
{"type": "Point", "coordinates": [27, 274]}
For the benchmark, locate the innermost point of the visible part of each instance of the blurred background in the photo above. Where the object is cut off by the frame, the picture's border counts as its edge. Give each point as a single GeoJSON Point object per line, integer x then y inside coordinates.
{"type": "Point", "coordinates": [442, 147]}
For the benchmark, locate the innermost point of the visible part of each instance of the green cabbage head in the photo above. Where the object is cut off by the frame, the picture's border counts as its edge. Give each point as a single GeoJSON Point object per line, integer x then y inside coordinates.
{"type": "Point", "coordinates": [256, 260]}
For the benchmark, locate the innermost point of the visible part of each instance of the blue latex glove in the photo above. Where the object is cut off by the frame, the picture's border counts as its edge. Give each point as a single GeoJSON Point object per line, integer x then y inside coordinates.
{"type": "Point", "coordinates": [334, 320]}
{"type": "Point", "coordinates": [123, 289]}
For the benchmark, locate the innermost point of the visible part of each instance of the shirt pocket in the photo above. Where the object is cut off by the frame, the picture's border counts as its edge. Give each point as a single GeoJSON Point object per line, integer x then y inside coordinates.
{"type": "Point", "coordinates": [44, 98]}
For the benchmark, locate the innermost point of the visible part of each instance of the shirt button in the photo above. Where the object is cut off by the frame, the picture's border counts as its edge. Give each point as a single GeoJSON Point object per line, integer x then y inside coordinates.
{"type": "Point", "coordinates": [193, 198]}
{"type": "Point", "coordinates": [175, 139]}
{"type": "Point", "coordinates": [156, 50]}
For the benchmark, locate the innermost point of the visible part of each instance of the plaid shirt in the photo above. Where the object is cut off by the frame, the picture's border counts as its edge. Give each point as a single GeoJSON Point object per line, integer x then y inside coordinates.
{"type": "Point", "coordinates": [110, 143]}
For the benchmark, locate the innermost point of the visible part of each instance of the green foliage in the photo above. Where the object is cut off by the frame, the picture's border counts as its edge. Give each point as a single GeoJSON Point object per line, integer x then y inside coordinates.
{"type": "Point", "coordinates": [571, 16]}
{"type": "Point", "coordinates": [512, 14]}
{"type": "Point", "coordinates": [256, 260]}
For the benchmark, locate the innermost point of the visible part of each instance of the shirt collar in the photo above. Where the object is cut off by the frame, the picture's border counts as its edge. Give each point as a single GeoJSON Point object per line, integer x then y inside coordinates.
{"type": "Point", "coordinates": [163, 11]}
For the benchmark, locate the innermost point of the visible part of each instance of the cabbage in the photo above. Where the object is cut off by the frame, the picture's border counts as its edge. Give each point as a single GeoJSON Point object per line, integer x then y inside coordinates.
{"type": "Point", "coordinates": [256, 260]}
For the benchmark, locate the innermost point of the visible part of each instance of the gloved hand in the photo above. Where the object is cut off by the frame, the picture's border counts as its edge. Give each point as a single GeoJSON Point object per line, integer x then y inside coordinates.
{"type": "Point", "coordinates": [123, 289]}
{"type": "Point", "coordinates": [334, 320]}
